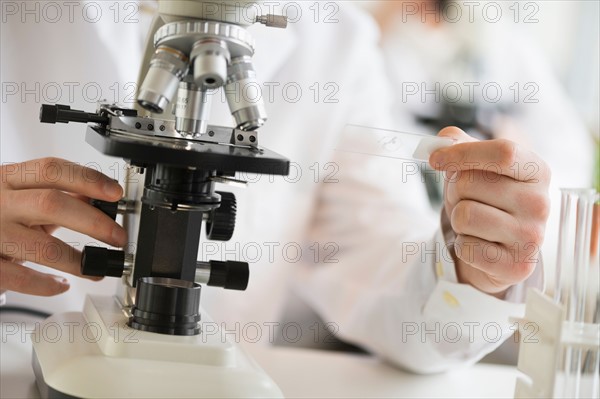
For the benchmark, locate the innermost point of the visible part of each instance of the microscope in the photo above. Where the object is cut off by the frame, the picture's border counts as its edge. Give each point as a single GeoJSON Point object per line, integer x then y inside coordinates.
{"type": "Point", "coordinates": [149, 340]}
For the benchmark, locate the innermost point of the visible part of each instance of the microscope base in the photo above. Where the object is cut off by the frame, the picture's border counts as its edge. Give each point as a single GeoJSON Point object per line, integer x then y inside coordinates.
{"type": "Point", "coordinates": [95, 354]}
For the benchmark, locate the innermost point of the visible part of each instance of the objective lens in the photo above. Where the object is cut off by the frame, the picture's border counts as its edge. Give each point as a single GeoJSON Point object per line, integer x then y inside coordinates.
{"type": "Point", "coordinates": [210, 58]}
{"type": "Point", "coordinates": [192, 109]}
{"type": "Point", "coordinates": [167, 68]}
{"type": "Point", "coordinates": [248, 110]}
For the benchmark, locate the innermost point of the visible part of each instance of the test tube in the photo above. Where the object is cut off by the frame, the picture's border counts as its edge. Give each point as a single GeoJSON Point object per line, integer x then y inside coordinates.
{"type": "Point", "coordinates": [572, 270]}
{"type": "Point", "coordinates": [562, 257]}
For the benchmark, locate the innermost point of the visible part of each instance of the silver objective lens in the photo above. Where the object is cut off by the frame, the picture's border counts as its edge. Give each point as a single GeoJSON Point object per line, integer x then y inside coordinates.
{"type": "Point", "coordinates": [210, 58]}
{"type": "Point", "coordinates": [244, 95]}
{"type": "Point", "coordinates": [167, 68]}
{"type": "Point", "coordinates": [192, 109]}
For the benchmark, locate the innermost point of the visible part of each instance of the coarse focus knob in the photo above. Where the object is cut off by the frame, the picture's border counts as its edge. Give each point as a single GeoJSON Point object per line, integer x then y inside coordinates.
{"type": "Point", "coordinates": [230, 275]}
{"type": "Point", "coordinates": [101, 262]}
{"type": "Point", "coordinates": [49, 113]}
{"type": "Point", "coordinates": [221, 221]}
{"type": "Point", "coordinates": [109, 208]}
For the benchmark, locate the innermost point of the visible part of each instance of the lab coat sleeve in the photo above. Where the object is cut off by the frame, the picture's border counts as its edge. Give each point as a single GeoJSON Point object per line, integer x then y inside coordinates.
{"type": "Point", "coordinates": [390, 285]}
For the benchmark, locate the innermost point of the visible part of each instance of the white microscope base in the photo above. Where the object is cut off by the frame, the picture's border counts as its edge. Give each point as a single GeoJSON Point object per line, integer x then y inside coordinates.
{"type": "Point", "coordinates": [95, 355]}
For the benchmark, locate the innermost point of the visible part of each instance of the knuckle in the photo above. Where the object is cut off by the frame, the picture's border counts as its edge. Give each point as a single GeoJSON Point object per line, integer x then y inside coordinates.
{"type": "Point", "coordinates": [533, 234]}
{"type": "Point", "coordinates": [534, 204]}
{"type": "Point", "coordinates": [49, 201]}
{"type": "Point", "coordinates": [461, 217]}
{"type": "Point", "coordinates": [507, 152]}
{"type": "Point", "coordinates": [545, 172]}
{"type": "Point", "coordinates": [48, 162]}
{"type": "Point", "coordinates": [542, 208]}
{"type": "Point", "coordinates": [521, 270]}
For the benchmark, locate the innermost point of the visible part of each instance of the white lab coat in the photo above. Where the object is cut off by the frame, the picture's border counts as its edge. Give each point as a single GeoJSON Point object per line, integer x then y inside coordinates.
{"type": "Point", "coordinates": [365, 214]}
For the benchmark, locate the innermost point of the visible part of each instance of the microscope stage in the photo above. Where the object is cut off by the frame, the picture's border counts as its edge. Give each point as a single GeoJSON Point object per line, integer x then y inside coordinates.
{"type": "Point", "coordinates": [188, 153]}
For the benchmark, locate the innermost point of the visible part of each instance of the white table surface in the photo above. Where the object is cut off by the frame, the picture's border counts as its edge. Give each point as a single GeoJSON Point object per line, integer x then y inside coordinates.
{"type": "Point", "coordinates": [309, 373]}
{"type": "Point", "coordinates": [319, 374]}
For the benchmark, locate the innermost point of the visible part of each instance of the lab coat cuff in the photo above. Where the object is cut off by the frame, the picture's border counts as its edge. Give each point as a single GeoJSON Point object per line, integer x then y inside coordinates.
{"type": "Point", "coordinates": [482, 322]}
{"type": "Point", "coordinates": [444, 264]}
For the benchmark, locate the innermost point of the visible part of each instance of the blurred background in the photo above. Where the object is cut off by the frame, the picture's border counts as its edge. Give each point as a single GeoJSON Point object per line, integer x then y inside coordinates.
{"type": "Point", "coordinates": [567, 33]}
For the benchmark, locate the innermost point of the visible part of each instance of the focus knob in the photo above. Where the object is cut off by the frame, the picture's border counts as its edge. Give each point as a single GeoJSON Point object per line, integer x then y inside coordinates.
{"type": "Point", "coordinates": [50, 113]}
{"type": "Point", "coordinates": [230, 275]}
{"type": "Point", "coordinates": [101, 262]}
{"type": "Point", "coordinates": [109, 208]}
{"type": "Point", "coordinates": [221, 222]}
{"type": "Point", "coordinates": [64, 114]}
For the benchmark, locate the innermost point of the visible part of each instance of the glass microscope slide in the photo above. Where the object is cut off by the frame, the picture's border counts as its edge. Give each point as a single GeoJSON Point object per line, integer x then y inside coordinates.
{"type": "Point", "coordinates": [390, 143]}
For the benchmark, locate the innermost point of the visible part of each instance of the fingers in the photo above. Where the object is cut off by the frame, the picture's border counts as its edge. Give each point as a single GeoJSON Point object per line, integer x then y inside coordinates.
{"type": "Point", "coordinates": [38, 247]}
{"type": "Point", "coordinates": [491, 225]}
{"type": "Point", "coordinates": [503, 266]}
{"type": "Point", "coordinates": [53, 207]}
{"type": "Point", "coordinates": [36, 197]}
{"type": "Point", "coordinates": [62, 175]}
{"type": "Point", "coordinates": [517, 198]}
{"type": "Point", "coordinates": [18, 278]}
{"type": "Point", "coordinates": [497, 201]}
{"type": "Point", "coordinates": [475, 185]}
{"type": "Point", "coordinates": [502, 157]}
{"type": "Point", "coordinates": [476, 219]}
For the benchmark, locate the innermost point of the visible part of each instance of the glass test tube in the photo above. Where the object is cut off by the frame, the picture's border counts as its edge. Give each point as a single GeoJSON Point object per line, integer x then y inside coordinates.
{"type": "Point", "coordinates": [575, 374]}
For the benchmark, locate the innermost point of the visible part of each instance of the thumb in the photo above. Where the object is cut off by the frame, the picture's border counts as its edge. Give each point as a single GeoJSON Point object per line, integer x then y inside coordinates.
{"type": "Point", "coordinates": [457, 134]}
{"type": "Point", "coordinates": [436, 159]}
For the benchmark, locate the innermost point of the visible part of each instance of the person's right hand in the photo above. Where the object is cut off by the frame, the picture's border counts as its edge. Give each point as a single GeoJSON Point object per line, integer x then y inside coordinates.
{"type": "Point", "coordinates": [38, 196]}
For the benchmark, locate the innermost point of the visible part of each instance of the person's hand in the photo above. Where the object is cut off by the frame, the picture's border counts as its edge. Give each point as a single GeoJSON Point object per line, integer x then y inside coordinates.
{"type": "Point", "coordinates": [496, 199]}
{"type": "Point", "coordinates": [38, 196]}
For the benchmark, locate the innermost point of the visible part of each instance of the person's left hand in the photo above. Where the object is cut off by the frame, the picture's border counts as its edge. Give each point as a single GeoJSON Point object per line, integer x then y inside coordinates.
{"type": "Point", "coordinates": [496, 199]}
{"type": "Point", "coordinates": [38, 196]}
